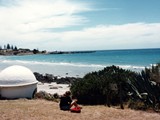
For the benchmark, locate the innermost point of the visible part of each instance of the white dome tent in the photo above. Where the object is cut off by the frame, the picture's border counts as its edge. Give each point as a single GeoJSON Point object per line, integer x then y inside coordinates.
{"type": "Point", "coordinates": [17, 82]}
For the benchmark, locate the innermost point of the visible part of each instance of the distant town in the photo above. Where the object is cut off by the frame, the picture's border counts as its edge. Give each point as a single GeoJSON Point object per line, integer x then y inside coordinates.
{"type": "Point", "coordinates": [14, 50]}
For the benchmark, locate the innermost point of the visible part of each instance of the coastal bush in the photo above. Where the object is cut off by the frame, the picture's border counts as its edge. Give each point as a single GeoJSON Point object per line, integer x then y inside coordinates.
{"type": "Point", "coordinates": [153, 73]}
{"type": "Point", "coordinates": [108, 86]}
{"type": "Point", "coordinates": [114, 85]}
{"type": "Point", "coordinates": [146, 88]}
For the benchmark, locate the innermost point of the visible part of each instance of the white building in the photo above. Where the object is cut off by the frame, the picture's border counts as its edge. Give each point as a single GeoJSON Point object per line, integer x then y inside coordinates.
{"type": "Point", "coordinates": [17, 82]}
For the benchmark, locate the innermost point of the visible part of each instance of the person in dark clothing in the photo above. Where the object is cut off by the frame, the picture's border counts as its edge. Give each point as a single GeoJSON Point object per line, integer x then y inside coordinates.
{"type": "Point", "coordinates": [66, 102]}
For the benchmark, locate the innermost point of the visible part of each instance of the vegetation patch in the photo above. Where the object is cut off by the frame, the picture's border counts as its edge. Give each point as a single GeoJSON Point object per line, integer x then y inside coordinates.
{"type": "Point", "coordinates": [116, 86]}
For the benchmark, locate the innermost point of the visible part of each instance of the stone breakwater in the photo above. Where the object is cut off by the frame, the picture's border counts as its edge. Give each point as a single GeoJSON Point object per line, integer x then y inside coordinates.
{"type": "Point", "coordinates": [49, 78]}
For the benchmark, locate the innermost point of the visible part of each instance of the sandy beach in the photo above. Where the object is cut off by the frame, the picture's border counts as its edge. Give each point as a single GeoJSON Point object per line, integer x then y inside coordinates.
{"type": "Point", "coordinates": [52, 88]}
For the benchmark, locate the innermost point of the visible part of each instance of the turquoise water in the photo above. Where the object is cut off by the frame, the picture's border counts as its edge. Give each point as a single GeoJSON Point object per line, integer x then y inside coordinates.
{"type": "Point", "coordinates": [82, 63]}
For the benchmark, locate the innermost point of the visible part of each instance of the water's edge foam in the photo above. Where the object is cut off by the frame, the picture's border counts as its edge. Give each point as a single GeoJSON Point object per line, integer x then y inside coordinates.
{"type": "Point", "coordinates": [61, 68]}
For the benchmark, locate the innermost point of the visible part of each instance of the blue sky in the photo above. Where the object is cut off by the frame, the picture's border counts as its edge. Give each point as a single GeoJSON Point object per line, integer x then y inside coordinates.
{"type": "Point", "coordinates": [80, 24]}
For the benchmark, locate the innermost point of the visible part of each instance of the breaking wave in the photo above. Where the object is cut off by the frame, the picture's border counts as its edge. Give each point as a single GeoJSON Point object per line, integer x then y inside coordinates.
{"type": "Point", "coordinates": [65, 64]}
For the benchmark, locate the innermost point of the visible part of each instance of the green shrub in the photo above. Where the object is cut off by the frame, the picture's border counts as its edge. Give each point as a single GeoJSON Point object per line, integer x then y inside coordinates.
{"type": "Point", "coordinates": [97, 87]}
{"type": "Point", "coordinates": [147, 82]}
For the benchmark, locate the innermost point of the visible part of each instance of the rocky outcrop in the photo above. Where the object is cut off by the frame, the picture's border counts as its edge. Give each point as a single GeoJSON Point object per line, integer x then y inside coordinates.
{"type": "Point", "coordinates": [48, 78]}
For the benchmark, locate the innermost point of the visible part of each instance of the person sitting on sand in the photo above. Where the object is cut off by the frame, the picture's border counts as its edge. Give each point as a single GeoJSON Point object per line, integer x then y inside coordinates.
{"type": "Point", "coordinates": [66, 102]}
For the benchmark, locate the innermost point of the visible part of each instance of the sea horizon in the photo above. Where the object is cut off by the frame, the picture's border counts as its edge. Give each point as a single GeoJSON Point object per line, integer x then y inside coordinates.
{"type": "Point", "coordinates": [93, 50]}
{"type": "Point", "coordinates": [79, 64]}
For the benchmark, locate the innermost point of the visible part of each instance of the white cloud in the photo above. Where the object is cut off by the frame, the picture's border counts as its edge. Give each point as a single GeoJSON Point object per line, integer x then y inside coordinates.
{"type": "Point", "coordinates": [28, 16]}
{"type": "Point", "coordinates": [134, 35]}
{"type": "Point", "coordinates": [23, 23]}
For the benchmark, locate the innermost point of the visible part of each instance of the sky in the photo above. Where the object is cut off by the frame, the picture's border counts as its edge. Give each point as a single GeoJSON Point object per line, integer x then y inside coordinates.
{"type": "Point", "coordinates": [69, 25]}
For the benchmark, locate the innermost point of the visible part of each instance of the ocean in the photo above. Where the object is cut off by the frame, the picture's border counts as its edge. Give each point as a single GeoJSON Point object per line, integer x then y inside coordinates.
{"type": "Point", "coordinates": [78, 64]}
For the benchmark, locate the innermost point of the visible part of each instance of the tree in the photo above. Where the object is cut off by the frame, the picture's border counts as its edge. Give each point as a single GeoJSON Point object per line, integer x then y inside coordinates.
{"type": "Point", "coordinates": [15, 48]}
{"type": "Point", "coordinates": [8, 46]}
{"type": "Point", "coordinates": [35, 51]}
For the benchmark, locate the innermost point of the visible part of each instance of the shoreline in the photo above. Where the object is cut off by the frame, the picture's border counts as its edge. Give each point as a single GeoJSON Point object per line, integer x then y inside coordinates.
{"type": "Point", "coordinates": [53, 88]}
{"type": "Point", "coordinates": [53, 84]}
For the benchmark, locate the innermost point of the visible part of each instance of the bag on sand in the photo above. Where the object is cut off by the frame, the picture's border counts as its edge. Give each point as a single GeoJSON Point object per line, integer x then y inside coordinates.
{"type": "Point", "coordinates": [76, 109]}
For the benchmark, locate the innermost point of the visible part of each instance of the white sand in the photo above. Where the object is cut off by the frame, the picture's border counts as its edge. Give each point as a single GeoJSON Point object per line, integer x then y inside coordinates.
{"type": "Point", "coordinates": [53, 88]}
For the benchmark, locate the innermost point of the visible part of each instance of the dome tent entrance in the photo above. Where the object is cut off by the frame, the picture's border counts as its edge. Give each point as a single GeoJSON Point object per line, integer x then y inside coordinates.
{"type": "Point", "coordinates": [17, 82]}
